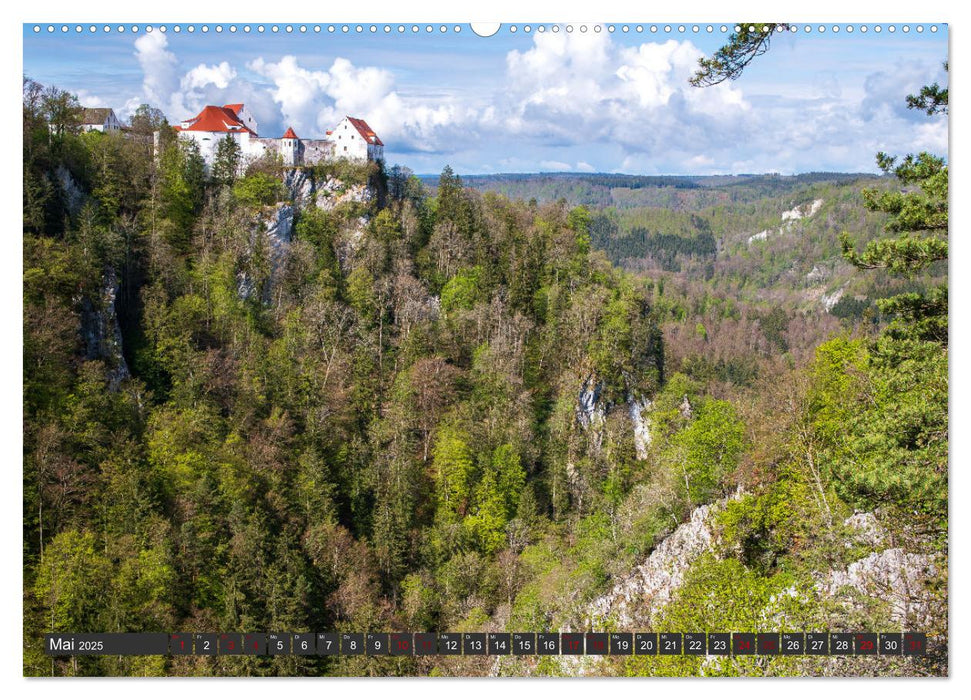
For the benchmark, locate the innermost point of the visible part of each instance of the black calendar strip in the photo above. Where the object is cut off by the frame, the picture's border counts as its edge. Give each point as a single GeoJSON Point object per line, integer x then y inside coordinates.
{"type": "Point", "coordinates": [491, 644]}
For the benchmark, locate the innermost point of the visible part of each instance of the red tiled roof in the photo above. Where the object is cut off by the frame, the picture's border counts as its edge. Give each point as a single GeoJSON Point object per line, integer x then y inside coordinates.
{"type": "Point", "coordinates": [216, 119]}
{"type": "Point", "coordinates": [366, 132]}
{"type": "Point", "coordinates": [235, 107]}
{"type": "Point", "coordinates": [290, 134]}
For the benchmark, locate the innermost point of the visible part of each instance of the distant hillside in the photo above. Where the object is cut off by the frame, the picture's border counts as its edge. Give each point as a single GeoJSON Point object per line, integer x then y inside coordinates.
{"type": "Point", "coordinates": [679, 192]}
{"type": "Point", "coordinates": [760, 238]}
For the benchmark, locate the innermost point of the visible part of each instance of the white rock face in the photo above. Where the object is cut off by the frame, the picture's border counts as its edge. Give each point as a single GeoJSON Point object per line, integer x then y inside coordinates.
{"type": "Point", "coordinates": [332, 193]}
{"type": "Point", "coordinates": [635, 600]}
{"type": "Point", "coordinates": [894, 576]}
{"type": "Point", "coordinates": [685, 408]}
{"type": "Point", "coordinates": [300, 186]}
{"type": "Point", "coordinates": [279, 227]}
{"type": "Point", "coordinates": [868, 529]}
{"type": "Point", "coordinates": [802, 211]}
{"type": "Point", "coordinates": [816, 275]}
{"type": "Point", "coordinates": [642, 432]}
{"type": "Point", "coordinates": [797, 213]}
{"type": "Point", "coordinates": [590, 410]}
{"type": "Point", "coordinates": [830, 300]}
{"type": "Point", "coordinates": [244, 286]}
{"type": "Point", "coordinates": [303, 190]}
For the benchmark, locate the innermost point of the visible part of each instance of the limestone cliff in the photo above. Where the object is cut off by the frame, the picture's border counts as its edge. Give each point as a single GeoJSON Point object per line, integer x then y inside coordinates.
{"type": "Point", "coordinates": [304, 190]}
{"type": "Point", "coordinates": [100, 331]}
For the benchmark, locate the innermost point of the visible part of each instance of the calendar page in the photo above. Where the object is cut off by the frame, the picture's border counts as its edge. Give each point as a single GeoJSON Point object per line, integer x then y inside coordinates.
{"type": "Point", "coordinates": [521, 349]}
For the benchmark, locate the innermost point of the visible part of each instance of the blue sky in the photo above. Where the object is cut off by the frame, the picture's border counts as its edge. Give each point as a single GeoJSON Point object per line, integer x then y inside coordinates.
{"type": "Point", "coordinates": [525, 102]}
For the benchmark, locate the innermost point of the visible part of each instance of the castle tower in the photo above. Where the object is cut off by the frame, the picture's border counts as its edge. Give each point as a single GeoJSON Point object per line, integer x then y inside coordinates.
{"type": "Point", "coordinates": [289, 147]}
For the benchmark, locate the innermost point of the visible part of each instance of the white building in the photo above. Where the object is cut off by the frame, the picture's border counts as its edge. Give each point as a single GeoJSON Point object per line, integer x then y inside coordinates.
{"type": "Point", "coordinates": [351, 138]}
{"type": "Point", "coordinates": [354, 139]}
{"type": "Point", "coordinates": [213, 124]}
{"type": "Point", "coordinates": [99, 119]}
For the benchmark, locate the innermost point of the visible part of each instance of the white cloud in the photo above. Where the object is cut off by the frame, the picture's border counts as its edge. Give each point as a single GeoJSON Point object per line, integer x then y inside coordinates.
{"type": "Point", "coordinates": [314, 100]}
{"type": "Point", "coordinates": [300, 93]}
{"type": "Point", "coordinates": [700, 163]}
{"type": "Point", "coordinates": [932, 136]}
{"type": "Point", "coordinates": [884, 91]}
{"type": "Point", "coordinates": [571, 89]}
{"type": "Point", "coordinates": [358, 89]}
{"type": "Point", "coordinates": [86, 99]}
{"type": "Point", "coordinates": [562, 72]}
{"type": "Point", "coordinates": [160, 70]}
{"type": "Point", "coordinates": [203, 75]}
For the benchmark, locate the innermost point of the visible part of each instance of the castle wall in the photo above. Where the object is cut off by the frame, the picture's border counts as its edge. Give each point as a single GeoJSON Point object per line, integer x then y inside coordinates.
{"type": "Point", "coordinates": [261, 146]}
{"type": "Point", "coordinates": [316, 150]}
{"type": "Point", "coordinates": [307, 152]}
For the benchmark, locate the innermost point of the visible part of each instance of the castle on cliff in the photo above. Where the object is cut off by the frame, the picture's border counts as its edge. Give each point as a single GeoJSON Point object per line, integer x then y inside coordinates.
{"type": "Point", "coordinates": [351, 138]}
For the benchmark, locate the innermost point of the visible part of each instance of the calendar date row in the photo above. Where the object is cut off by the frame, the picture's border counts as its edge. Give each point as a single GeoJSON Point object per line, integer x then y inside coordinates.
{"type": "Point", "coordinates": [491, 643]}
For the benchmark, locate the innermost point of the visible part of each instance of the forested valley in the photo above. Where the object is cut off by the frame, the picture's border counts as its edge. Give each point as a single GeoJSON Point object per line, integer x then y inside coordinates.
{"type": "Point", "coordinates": [342, 399]}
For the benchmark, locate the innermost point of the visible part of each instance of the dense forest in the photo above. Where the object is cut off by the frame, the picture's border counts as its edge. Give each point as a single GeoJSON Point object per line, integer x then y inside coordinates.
{"type": "Point", "coordinates": [336, 399]}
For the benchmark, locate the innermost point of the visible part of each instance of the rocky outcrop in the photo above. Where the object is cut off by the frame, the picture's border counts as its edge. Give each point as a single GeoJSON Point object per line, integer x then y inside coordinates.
{"type": "Point", "coordinates": [636, 409]}
{"type": "Point", "coordinates": [332, 193]}
{"type": "Point", "coordinates": [892, 575]}
{"type": "Point", "coordinates": [72, 195]}
{"type": "Point", "coordinates": [684, 408]}
{"type": "Point", "coordinates": [635, 600]}
{"type": "Point", "coordinates": [590, 409]}
{"type": "Point", "coordinates": [279, 227]}
{"type": "Point", "coordinates": [101, 332]}
{"type": "Point", "coordinates": [867, 529]}
{"type": "Point", "coordinates": [830, 300]}
{"type": "Point", "coordinates": [895, 576]}
{"type": "Point", "coordinates": [790, 217]}
{"type": "Point", "coordinates": [300, 186]}
{"type": "Point", "coordinates": [802, 211]}
{"type": "Point", "coordinates": [304, 190]}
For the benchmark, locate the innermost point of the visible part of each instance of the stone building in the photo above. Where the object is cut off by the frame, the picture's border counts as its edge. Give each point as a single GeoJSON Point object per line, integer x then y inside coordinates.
{"type": "Point", "coordinates": [351, 138]}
